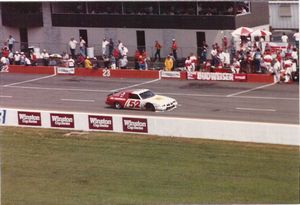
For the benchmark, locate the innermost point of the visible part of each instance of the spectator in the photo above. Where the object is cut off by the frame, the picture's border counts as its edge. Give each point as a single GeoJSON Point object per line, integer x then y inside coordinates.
{"type": "Point", "coordinates": [157, 51]}
{"type": "Point", "coordinates": [284, 38]}
{"type": "Point", "coordinates": [105, 43]}
{"type": "Point", "coordinates": [81, 61]}
{"type": "Point", "coordinates": [235, 67]}
{"type": "Point", "coordinates": [45, 56]}
{"type": "Point", "coordinates": [5, 52]}
{"type": "Point", "coordinates": [214, 56]}
{"type": "Point", "coordinates": [27, 61]}
{"type": "Point", "coordinates": [257, 60]}
{"type": "Point", "coordinates": [120, 45]}
{"type": "Point", "coordinates": [124, 51]}
{"type": "Point", "coordinates": [87, 63]}
{"type": "Point", "coordinates": [33, 58]}
{"type": "Point", "coordinates": [276, 70]}
{"type": "Point", "coordinates": [71, 63]}
{"type": "Point", "coordinates": [22, 60]}
{"type": "Point", "coordinates": [106, 61]}
{"type": "Point", "coordinates": [113, 63]}
{"type": "Point", "coordinates": [82, 46]}
{"type": "Point", "coordinates": [267, 59]}
{"type": "Point", "coordinates": [72, 46]}
{"type": "Point", "coordinates": [11, 41]}
{"type": "Point", "coordinates": [174, 48]}
{"type": "Point", "coordinates": [193, 59]}
{"type": "Point", "coordinates": [136, 59]}
{"type": "Point", "coordinates": [123, 62]}
{"type": "Point", "coordinates": [169, 63]}
{"type": "Point", "coordinates": [294, 55]}
{"type": "Point", "coordinates": [110, 47]}
{"type": "Point", "coordinates": [17, 58]}
{"type": "Point", "coordinates": [188, 64]}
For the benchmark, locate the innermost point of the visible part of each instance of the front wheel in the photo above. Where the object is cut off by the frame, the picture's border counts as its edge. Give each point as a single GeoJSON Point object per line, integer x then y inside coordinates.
{"type": "Point", "coordinates": [150, 107]}
{"type": "Point", "coordinates": [117, 105]}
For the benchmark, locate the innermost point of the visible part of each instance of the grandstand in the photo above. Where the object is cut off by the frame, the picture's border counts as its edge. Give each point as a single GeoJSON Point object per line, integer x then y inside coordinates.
{"type": "Point", "coordinates": [50, 25]}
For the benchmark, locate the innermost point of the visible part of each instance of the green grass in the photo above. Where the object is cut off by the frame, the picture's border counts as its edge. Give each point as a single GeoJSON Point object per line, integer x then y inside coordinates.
{"type": "Point", "coordinates": [41, 166]}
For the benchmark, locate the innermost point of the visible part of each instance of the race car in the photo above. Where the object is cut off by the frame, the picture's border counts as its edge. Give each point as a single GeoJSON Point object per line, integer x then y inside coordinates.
{"type": "Point", "coordinates": [140, 99]}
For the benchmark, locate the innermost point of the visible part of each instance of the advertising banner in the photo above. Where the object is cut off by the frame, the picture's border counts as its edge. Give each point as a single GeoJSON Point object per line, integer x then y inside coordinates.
{"type": "Point", "coordinates": [170, 74]}
{"type": "Point", "coordinates": [215, 76]}
{"type": "Point", "coordinates": [100, 122]}
{"type": "Point", "coordinates": [29, 118]}
{"type": "Point", "coordinates": [240, 77]}
{"type": "Point", "coordinates": [62, 120]}
{"type": "Point", "coordinates": [135, 125]}
{"type": "Point", "coordinates": [2, 116]}
{"type": "Point", "coordinates": [65, 70]}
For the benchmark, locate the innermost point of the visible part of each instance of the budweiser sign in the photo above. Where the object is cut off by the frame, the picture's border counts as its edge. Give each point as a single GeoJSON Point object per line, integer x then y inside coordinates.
{"type": "Point", "coordinates": [135, 125]}
{"type": "Point", "coordinates": [215, 76]}
{"type": "Point", "coordinates": [100, 122]}
{"type": "Point", "coordinates": [62, 120]}
{"type": "Point", "coordinates": [29, 118]}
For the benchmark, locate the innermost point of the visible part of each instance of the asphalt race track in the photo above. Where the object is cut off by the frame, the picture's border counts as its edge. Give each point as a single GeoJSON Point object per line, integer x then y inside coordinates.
{"type": "Point", "coordinates": [274, 103]}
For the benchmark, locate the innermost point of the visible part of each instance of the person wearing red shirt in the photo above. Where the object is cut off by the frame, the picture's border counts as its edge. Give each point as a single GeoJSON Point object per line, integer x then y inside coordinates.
{"type": "Point", "coordinates": [5, 52]}
{"type": "Point", "coordinates": [174, 48]}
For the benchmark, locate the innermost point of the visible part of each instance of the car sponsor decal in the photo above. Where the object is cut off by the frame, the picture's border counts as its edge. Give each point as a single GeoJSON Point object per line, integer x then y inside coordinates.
{"type": "Point", "coordinates": [29, 118]}
{"type": "Point", "coordinates": [100, 122]}
{"type": "Point", "coordinates": [2, 116]}
{"type": "Point", "coordinates": [62, 120]}
{"type": "Point", "coordinates": [135, 125]}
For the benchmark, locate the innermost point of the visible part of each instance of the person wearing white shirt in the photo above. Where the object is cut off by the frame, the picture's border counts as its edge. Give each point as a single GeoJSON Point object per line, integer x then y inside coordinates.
{"type": "Point", "coordinates": [284, 38]}
{"type": "Point", "coordinates": [104, 46]}
{"type": "Point", "coordinates": [45, 56]}
{"type": "Point", "coordinates": [82, 46]}
{"type": "Point", "coordinates": [27, 61]}
{"type": "Point", "coordinates": [17, 58]}
{"type": "Point", "coordinates": [72, 45]}
{"type": "Point", "coordinates": [277, 69]}
{"type": "Point", "coordinates": [10, 42]}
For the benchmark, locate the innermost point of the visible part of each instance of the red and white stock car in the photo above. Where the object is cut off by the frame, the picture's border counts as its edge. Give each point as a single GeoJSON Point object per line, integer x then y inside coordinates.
{"type": "Point", "coordinates": [140, 99]}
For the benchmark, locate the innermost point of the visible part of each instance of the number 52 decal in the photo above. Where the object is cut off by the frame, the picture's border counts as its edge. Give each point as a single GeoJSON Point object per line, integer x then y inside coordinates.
{"type": "Point", "coordinates": [134, 104]}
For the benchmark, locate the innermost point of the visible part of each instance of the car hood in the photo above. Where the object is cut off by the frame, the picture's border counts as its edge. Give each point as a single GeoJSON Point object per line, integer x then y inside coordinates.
{"type": "Point", "coordinates": [160, 99]}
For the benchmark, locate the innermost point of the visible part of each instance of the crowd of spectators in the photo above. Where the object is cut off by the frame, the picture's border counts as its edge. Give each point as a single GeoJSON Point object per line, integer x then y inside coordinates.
{"type": "Point", "coordinates": [154, 8]}
{"type": "Point", "coordinates": [251, 57]}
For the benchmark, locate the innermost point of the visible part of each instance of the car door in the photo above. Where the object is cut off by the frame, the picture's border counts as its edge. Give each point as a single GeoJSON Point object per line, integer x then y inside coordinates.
{"type": "Point", "coordinates": [133, 102]}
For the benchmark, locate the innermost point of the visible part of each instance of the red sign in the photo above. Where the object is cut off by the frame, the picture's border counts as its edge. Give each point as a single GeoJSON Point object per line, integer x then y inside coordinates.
{"type": "Point", "coordinates": [29, 118]}
{"type": "Point", "coordinates": [100, 122]}
{"type": "Point", "coordinates": [135, 125]}
{"type": "Point", "coordinates": [240, 77]}
{"type": "Point", "coordinates": [62, 120]}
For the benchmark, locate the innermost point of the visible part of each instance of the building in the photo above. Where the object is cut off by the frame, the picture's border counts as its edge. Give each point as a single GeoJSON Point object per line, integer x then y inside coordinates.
{"type": "Point", "coordinates": [50, 25]}
{"type": "Point", "coordinates": [284, 15]}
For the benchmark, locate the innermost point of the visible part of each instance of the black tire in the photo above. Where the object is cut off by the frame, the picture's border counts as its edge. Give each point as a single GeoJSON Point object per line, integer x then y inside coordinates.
{"type": "Point", "coordinates": [117, 105]}
{"type": "Point", "coordinates": [150, 107]}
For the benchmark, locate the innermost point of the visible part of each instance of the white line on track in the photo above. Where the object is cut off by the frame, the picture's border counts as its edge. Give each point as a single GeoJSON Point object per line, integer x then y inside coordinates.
{"type": "Point", "coordinates": [59, 89]}
{"type": "Point", "coordinates": [5, 96]}
{"type": "Point", "coordinates": [252, 89]}
{"type": "Point", "coordinates": [255, 109]}
{"type": "Point", "coordinates": [174, 94]}
{"type": "Point", "coordinates": [27, 81]}
{"type": "Point", "coordinates": [77, 100]}
{"type": "Point", "coordinates": [135, 85]}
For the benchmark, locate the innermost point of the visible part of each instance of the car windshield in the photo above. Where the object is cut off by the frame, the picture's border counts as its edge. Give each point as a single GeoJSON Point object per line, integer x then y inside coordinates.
{"type": "Point", "coordinates": [147, 94]}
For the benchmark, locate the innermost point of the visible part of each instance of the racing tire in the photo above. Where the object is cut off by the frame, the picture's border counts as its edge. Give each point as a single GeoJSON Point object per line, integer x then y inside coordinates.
{"type": "Point", "coordinates": [150, 107]}
{"type": "Point", "coordinates": [117, 105]}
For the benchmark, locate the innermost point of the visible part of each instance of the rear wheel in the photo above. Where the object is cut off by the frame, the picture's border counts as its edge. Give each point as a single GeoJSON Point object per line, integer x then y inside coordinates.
{"type": "Point", "coordinates": [117, 105]}
{"type": "Point", "coordinates": [150, 107]}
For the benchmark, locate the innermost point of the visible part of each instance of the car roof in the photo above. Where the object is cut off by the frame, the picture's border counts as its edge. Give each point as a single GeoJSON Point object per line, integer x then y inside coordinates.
{"type": "Point", "coordinates": [137, 91]}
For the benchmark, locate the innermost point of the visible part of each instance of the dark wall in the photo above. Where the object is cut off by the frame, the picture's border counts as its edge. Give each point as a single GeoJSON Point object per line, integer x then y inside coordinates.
{"type": "Point", "coordinates": [144, 21]}
{"type": "Point", "coordinates": [259, 15]}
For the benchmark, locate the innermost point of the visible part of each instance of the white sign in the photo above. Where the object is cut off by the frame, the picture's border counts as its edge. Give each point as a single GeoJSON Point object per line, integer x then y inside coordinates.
{"type": "Point", "coordinates": [170, 74]}
{"type": "Point", "coordinates": [65, 70]}
{"type": "Point", "coordinates": [215, 76]}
